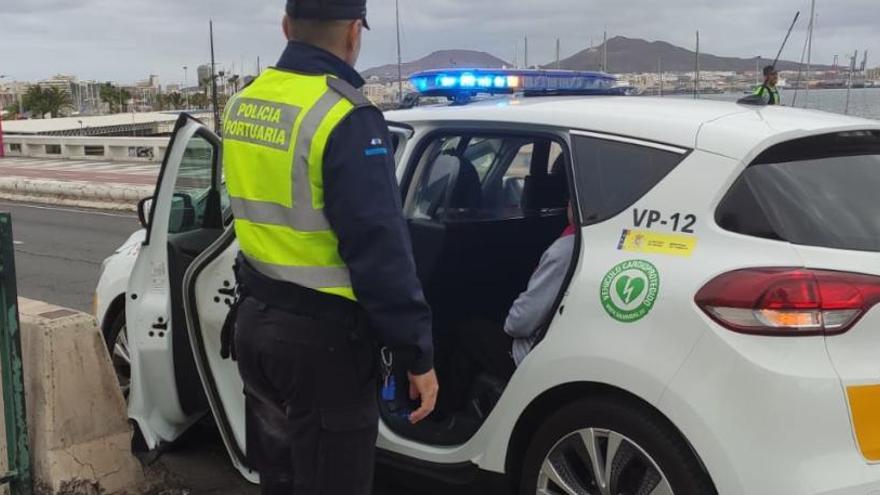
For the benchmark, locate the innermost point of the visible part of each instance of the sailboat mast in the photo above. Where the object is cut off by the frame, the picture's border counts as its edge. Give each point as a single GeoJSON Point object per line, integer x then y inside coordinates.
{"type": "Point", "coordinates": [557, 53]}
{"type": "Point", "coordinates": [605, 51]}
{"type": "Point", "coordinates": [852, 69]}
{"type": "Point", "coordinates": [399, 57]}
{"type": "Point", "coordinates": [757, 70]}
{"type": "Point", "coordinates": [810, 49]}
{"type": "Point", "coordinates": [660, 74]}
{"type": "Point", "coordinates": [697, 69]}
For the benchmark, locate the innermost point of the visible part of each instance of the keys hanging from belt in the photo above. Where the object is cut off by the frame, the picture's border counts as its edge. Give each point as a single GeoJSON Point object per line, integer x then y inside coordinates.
{"type": "Point", "coordinates": [389, 385]}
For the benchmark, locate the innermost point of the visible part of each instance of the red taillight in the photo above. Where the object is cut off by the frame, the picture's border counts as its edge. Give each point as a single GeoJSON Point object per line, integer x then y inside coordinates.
{"type": "Point", "coordinates": [789, 301]}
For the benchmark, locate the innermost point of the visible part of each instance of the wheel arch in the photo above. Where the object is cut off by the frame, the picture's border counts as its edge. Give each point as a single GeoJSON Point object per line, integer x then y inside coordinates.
{"type": "Point", "coordinates": [116, 307]}
{"type": "Point", "coordinates": [562, 395]}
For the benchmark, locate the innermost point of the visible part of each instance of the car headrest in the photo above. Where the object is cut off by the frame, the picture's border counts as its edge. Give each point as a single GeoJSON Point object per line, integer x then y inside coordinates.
{"type": "Point", "coordinates": [467, 192]}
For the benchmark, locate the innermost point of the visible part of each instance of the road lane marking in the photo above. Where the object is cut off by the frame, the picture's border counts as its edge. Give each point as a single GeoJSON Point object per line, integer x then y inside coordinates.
{"type": "Point", "coordinates": [69, 210]}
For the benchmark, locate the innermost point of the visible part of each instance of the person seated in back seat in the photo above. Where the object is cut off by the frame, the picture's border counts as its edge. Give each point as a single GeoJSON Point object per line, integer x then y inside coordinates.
{"type": "Point", "coordinates": [532, 307]}
{"type": "Point", "coordinates": [488, 349]}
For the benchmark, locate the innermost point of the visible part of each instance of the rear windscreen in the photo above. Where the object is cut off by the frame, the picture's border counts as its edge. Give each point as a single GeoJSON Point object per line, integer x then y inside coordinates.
{"type": "Point", "coordinates": [821, 192]}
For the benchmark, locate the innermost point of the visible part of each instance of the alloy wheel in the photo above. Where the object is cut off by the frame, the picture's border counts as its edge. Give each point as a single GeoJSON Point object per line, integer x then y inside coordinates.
{"type": "Point", "coordinates": [121, 358]}
{"type": "Point", "coordinates": [596, 461]}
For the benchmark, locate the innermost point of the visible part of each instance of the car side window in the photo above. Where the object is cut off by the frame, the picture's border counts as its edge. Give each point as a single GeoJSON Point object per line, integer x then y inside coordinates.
{"type": "Point", "coordinates": [481, 177]}
{"type": "Point", "coordinates": [193, 187]}
{"type": "Point", "coordinates": [482, 153]}
{"type": "Point", "coordinates": [612, 176]}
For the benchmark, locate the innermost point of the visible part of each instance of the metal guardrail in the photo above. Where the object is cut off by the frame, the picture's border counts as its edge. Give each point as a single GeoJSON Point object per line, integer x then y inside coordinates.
{"type": "Point", "coordinates": [19, 475]}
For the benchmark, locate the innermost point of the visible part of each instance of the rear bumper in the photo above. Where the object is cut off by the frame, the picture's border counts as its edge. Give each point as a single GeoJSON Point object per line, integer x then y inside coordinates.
{"type": "Point", "coordinates": [769, 416]}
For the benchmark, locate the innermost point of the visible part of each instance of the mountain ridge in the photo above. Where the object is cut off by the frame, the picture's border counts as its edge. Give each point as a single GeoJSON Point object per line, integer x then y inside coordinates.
{"type": "Point", "coordinates": [625, 55]}
{"type": "Point", "coordinates": [440, 59]}
{"type": "Point", "coordinates": [634, 55]}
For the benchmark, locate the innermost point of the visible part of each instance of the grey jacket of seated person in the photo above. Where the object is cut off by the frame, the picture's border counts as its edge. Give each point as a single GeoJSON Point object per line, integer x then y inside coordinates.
{"type": "Point", "coordinates": [533, 306]}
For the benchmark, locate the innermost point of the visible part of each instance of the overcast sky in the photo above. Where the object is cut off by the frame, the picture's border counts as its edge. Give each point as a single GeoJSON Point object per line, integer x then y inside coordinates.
{"type": "Point", "coordinates": [126, 40]}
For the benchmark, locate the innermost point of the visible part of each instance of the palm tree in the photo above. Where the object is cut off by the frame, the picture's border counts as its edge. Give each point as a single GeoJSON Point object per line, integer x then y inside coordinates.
{"type": "Point", "coordinates": [175, 100]}
{"type": "Point", "coordinates": [50, 101]}
{"type": "Point", "coordinates": [198, 100]}
{"type": "Point", "coordinates": [56, 101]}
{"type": "Point", "coordinates": [115, 97]}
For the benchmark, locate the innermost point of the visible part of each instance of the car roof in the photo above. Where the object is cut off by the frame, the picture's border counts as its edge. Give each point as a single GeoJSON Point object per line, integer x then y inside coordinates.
{"type": "Point", "coordinates": [719, 127]}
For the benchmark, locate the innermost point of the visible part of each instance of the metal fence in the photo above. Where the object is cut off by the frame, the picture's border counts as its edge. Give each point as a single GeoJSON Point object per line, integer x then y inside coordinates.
{"type": "Point", "coordinates": [18, 476]}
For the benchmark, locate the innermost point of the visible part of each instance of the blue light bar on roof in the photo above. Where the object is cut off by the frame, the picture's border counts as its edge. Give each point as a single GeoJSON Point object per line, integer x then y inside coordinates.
{"type": "Point", "coordinates": [457, 82]}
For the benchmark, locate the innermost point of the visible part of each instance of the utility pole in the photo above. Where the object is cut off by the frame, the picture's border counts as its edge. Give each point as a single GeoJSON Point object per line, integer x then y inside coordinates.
{"type": "Point", "coordinates": [215, 100]}
{"type": "Point", "coordinates": [558, 47]}
{"type": "Point", "coordinates": [697, 70]}
{"type": "Point", "coordinates": [259, 68]}
{"type": "Point", "coordinates": [526, 62]}
{"type": "Point", "coordinates": [399, 56]}
{"type": "Point", "coordinates": [185, 84]}
{"type": "Point", "coordinates": [2, 147]}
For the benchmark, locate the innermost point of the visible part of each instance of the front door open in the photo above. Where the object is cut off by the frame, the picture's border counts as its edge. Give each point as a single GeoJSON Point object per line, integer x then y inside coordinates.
{"type": "Point", "coordinates": [186, 216]}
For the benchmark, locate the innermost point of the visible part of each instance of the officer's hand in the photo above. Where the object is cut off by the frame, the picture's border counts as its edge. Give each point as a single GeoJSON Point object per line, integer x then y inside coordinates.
{"type": "Point", "coordinates": [424, 387]}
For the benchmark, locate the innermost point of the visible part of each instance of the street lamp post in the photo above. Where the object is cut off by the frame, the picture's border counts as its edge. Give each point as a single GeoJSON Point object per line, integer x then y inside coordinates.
{"type": "Point", "coordinates": [2, 147]}
{"type": "Point", "coordinates": [185, 84]}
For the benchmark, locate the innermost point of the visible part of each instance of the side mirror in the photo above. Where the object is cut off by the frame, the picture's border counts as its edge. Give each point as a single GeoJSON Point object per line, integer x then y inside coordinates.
{"type": "Point", "coordinates": [145, 206]}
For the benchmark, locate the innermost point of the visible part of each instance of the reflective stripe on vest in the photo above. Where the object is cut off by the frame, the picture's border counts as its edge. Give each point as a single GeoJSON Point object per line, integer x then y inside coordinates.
{"type": "Point", "coordinates": [770, 95]}
{"type": "Point", "coordinates": [276, 132]}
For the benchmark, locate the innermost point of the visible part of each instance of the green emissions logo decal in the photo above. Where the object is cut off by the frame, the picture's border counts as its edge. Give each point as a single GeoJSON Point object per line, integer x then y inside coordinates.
{"type": "Point", "coordinates": [629, 290]}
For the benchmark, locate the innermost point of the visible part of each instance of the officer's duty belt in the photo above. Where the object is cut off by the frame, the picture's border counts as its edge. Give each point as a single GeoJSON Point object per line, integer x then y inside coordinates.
{"type": "Point", "coordinates": [297, 299]}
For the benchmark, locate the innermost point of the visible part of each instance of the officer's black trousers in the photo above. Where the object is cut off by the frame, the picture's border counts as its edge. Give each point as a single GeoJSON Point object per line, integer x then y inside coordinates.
{"type": "Point", "coordinates": [310, 386]}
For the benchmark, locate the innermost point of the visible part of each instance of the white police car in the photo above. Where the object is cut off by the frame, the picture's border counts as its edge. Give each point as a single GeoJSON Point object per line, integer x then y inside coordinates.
{"type": "Point", "coordinates": [717, 331]}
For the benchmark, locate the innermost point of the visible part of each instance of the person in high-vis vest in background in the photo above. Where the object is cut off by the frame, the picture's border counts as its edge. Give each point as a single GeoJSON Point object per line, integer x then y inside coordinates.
{"type": "Point", "coordinates": [768, 91]}
{"type": "Point", "coordinates": [326, 273]}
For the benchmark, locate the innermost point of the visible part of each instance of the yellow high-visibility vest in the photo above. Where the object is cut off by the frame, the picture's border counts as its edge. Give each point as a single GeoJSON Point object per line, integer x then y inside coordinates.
{"type": "Point", "coordinates": [275, 132]}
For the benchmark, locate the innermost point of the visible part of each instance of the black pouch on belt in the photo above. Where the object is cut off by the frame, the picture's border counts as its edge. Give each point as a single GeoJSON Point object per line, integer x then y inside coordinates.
{"type": "Point", "coordinates": [227, 332]}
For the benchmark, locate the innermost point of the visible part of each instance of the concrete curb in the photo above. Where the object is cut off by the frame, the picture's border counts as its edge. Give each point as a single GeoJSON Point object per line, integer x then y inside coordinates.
{"type": "Point", "coordinates": [120, 197]}
{"type": "Point", "coordinates": [77, 420]}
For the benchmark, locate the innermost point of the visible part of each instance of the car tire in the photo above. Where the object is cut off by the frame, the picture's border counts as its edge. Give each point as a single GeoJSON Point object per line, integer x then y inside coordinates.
{"type": "Point", "coordinates": [116, 339]}
{"type": "Point", "coordinates": [649, 455]}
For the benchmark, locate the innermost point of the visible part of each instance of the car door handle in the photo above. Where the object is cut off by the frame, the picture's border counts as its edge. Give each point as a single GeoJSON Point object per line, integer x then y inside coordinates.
{"type": "Point", "coordinates": [160, 324]}
{"type": "Point", "coordinates": [228, 292]}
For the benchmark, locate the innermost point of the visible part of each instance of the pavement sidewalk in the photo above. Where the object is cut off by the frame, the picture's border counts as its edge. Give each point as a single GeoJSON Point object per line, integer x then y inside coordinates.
{"type": "Point", "coordinates": [79, 183]}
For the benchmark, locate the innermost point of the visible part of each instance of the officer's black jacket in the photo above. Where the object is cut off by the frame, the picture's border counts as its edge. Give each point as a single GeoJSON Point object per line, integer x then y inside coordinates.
{"type": "Point", "coordinates": [363, 205]}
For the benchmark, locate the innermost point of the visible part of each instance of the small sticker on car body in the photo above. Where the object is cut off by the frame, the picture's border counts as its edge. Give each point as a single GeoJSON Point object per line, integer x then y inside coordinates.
{"type": "Point", "coordinates": [643, 241]}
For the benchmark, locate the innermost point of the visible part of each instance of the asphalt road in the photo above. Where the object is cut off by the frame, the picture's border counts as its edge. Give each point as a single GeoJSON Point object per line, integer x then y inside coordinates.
{"type": "Point", "coordinates": [59, 251]}
{"type": "Point", "coordinates": [58, 259]}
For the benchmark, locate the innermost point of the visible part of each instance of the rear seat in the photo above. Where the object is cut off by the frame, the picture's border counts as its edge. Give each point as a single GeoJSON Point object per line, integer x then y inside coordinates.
{"type": "Point", "coordinates": [477, 268]}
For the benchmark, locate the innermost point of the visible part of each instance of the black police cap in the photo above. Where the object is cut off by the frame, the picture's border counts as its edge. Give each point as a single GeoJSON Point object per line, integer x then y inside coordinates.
{"type": "Point", "coordinates": [328, 9]}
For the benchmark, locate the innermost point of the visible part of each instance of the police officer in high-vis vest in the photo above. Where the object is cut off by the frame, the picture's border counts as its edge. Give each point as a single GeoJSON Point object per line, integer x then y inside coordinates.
{"type": "Point", "coordinates": [326, 273]}
{"type": "Point", "coordinates": [768, 91]}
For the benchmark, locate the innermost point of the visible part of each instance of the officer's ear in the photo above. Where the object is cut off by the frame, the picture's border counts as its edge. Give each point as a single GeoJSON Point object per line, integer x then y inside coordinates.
{"type": "Point", "coordinates": [286, 27]}
{"type": "Point", "coordinates": [353, 40]}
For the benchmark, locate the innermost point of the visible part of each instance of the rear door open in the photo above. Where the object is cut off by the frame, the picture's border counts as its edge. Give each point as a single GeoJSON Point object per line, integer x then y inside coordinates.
{"type": "Point", "coordinates": [208, 292]}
